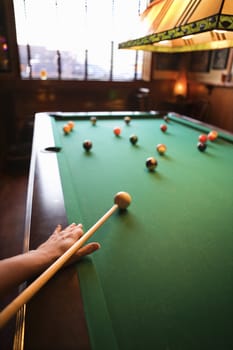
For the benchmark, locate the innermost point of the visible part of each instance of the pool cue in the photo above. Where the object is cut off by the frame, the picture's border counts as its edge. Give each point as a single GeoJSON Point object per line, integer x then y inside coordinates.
{"type": "Point", "coordinates": [11, 309]}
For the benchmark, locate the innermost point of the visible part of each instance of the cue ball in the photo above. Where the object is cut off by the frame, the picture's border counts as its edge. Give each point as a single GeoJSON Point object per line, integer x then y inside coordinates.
{"type": "Point", "coordinates": [151, 163]}
{"type": "Point", "coordinates": [127, 120]}
{"type": "Point", "coordinates": [163, 127]}
{"type": "Point", "coordinates": [201, 146]}
{"type": "Point", "coordinates": [133, 139]}
{"type": "Point", "coordinates": [117, 131]}
{"type": "Point", "coordinates": [87, 145]}
{"type": "Point", "coordinates": [161, 148]}
{"type": "Point", "coordinates": [122, 199]}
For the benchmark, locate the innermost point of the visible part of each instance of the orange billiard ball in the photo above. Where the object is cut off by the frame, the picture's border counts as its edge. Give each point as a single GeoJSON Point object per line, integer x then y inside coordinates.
{"type": "Point", "coordinates": [66, 128]}
{"type": "Point", "coordinates": [212, 136]}
{"type": "Point", "coordinates": [163, 127]}
{"type": "Point", "coordinates": [71, 124]}
{"type": "Point", "coordinates": [117, 131]}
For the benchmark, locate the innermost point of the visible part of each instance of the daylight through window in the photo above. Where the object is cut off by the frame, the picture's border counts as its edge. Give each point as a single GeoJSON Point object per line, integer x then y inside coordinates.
{"type": "Point", "coordinates": [77, 39]}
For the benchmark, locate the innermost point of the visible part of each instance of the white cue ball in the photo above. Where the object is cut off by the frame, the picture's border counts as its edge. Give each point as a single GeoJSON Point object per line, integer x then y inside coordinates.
{"type": "Point", "coordinates": [122, 199]}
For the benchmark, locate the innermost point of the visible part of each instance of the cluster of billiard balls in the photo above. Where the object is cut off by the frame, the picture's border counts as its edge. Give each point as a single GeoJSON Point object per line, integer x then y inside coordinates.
{"type": "Point", "coordinates": [151, 162]}
{"type": "Point", "coordinates": [203, 138]}
{"type": "Point", "coordinates": [68, 127]}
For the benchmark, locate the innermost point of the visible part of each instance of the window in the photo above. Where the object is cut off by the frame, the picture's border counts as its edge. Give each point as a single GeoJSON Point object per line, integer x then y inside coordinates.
{"type": "Point", "coordinates": [77, 39]}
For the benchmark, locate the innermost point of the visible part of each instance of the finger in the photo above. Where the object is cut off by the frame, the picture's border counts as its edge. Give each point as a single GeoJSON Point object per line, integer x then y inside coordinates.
{"type": "Point", "coordinates": [72, 227]}
{"type": "Point", "coordinates": [85, 250]}
{"type": "Point", "coordinates": [57, 229]}
{"type": "Point", "coordinates": [88, 249]}
{"type": "Point", "coordinates": [77, 232]}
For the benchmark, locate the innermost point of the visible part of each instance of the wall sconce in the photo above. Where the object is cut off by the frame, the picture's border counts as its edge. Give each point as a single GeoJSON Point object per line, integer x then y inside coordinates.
{"type": "Point", "coordinates": [180, 89]}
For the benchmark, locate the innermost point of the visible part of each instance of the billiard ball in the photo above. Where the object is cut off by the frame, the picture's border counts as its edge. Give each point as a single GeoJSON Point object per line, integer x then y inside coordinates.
{"type": "Point", "coordinates": [151, 163]}
{"type": "Point", "coordinates": [203, 138]}
{"type": "Point", "coordinates": [122, 199]}
{"type": "Point", "coordinates": [87, 145]}
{"type": "Point", "coordinates": [163, 127]}
{"type": "Point", "coordinates": [117, 131]}
{"type": "Point", "coordinates": [71, 124]}
{"type": "Point", "coordinates": [127, 119]}
{"type": "Point", "coordinates": [201, 146]}
{"type": "Point", "coordinates": [133, 139]}
{"type": "Point", "coordinates": [166, 119]}
{"type": "Point", "coordinates": [93, 120]}
{"type": "Point", "coordinates": [161, 148]}
{"type": "Point", "coordinates": [215, 133]}
{"type": "Point", "coordinates": [212, 136]}
{"type": "Point", "coordinates": [66, 128]}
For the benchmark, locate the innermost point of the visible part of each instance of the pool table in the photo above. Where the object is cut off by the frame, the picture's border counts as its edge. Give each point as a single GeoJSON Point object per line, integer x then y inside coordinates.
{"type": "Point", "coordinates": [163, 278]}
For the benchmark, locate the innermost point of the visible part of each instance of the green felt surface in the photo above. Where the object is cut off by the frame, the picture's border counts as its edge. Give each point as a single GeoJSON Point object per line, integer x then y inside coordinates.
{"type": "Point", "coordinates": [163, 276]}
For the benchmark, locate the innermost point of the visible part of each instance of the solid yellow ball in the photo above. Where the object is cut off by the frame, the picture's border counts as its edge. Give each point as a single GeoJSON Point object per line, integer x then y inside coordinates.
{"type": "Point", "coordinates": [161, 148]}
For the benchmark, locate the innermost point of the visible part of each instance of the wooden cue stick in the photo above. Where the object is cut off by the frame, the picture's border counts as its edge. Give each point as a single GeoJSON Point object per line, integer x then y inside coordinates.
{"type": "Point", "coordinates": [11, 309]}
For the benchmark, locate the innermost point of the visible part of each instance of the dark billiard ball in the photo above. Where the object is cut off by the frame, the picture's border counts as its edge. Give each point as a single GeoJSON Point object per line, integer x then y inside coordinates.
{"type": "Point", "coordinates": [117, 131]}
{"type": "Point", "coordinates": [163, 127]}
{"type": "Point", "coordinates": [201, 146]}
{"type": "Point", "coordinates": [87, 145]}
{"type": "Point", "coordinates": [151, 163]}
{"type": "Point", "coordinates": [166, 119]}
{"type": "Point", "coordinates": [127, 119]}
{"type": "Point", "coordinates": [203, 138]}
{"type": "Point", "coordinates": [161, 148]}
{"type": "Point", "coordinates": [93, 120]}
{"type": "Point", "coordinates": [133, 139]}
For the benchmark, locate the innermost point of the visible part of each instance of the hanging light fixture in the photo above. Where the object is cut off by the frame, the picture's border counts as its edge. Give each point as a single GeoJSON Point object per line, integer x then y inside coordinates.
{"type": "Point", "coordinates": [184, 25]}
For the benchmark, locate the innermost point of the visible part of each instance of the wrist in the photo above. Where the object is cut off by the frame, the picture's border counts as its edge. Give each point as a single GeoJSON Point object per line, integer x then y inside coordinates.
{"type": "Point", "coordinates": [42, 257]}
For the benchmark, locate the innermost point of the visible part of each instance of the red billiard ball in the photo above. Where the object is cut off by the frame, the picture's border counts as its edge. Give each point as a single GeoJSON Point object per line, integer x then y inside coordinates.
{"type": "Point", "coordinates": [161, 148]}
{"type": "Point", "coordinates": [117, 131]}
{"type": "Point", "coordinates": [201, 146]}
{"type": "Point", "coordinates": [203, 138]}
{"type": "Point", "coordinates": [163, 127]}
{"type": "Point", "coordinates": [212, 136]}
{"type": "Point", "coordinates": [87, 145]}
{"type": "Point", "coordinates": [151, 163]}
{"type": "Point", "coordinates": [133, 139]}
